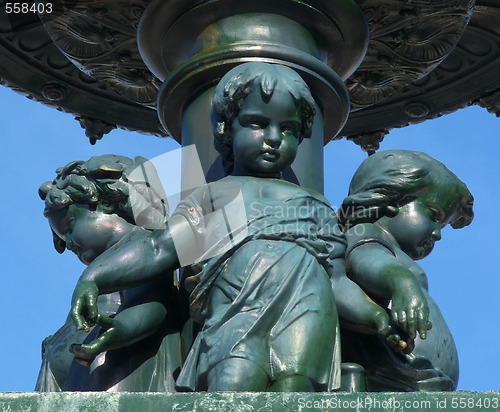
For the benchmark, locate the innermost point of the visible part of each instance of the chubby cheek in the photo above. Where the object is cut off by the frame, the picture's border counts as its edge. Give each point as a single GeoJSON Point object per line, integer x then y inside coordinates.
{"type": "Point", "coordinates": [416, 253]}
{"type": "Point", "coordinates": [249, 144]}
{"type": "Point", "coordinates": [87, 256]}
{"type": "Point", "coordinates": [290, 148]}
{"type": "Point", "coordinates": [416, 248]}
{"type": "Point", "coordinates": [420, 232]}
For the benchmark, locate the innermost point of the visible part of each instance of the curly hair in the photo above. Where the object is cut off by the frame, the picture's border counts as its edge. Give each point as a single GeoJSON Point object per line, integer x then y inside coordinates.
{"type": "Point", "coordinates": [236, 85]}
{"type": "Point", "coordinates": [390, 179]}
{"type": "Point", "coordinates": [111, 184]}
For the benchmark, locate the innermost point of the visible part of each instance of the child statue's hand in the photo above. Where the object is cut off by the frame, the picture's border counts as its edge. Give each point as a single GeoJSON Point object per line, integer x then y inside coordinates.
{"type": "Point", "coordinates": [381, 322]}
{"type": "Point", "coordinates": [410, 311]}
{"type": "Point", "coordinates": [398, 344]}
{"type": "Point", "coordinates": [86, 353]}
{"type": "Point", "coordinates": [394, 339]}
{"type": "Point", "coordinates": [84, 305]}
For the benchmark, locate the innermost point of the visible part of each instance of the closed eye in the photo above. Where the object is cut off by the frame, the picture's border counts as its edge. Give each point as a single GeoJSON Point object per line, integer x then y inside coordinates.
{"type": "Point", "coordinates": [437, 215]}
{"type": "Point", "coordinates": [71, 224]}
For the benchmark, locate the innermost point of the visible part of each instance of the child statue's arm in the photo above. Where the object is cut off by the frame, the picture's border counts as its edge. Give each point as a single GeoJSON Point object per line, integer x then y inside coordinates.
{"type": "Point", "coordinates": [129, 264]}
{"type": "Point", "coordinates": [126, 328]}
{"type": "Point", "coordinates": [380, 273]}
{"type": "Point", "coordinates": [356, 310]}
{"type": "Point", "coordinates": [141, 314]}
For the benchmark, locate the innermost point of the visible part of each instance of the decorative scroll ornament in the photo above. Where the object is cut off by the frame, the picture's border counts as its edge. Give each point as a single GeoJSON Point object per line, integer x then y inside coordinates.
{"type": "Point", "coordinates": [384, 89]}
{"type": "Point", "coordinates": [54, 92]}
{"type": "Point", "coordinates": [491, 102]}
{"type": "Point", "coordinates": [407, 42]}
{"type": "Point", "coordinates": [369, 142]}
{"type": "Point", "coordinates": [33, 66]}
{"type": "Point", "coordinates": [469, 75]}
{"type": "Point", "coordinates": [95, 129]}
{"type": "Point", "coordinates": [100, 39]}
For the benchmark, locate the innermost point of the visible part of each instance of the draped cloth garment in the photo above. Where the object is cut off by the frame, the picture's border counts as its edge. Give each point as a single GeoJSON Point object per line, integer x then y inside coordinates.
{"type": "Point", "coordinates": [263, 292]}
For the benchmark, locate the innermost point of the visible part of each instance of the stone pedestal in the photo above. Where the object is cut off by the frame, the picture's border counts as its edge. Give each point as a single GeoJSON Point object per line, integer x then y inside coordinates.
{"type": "Point", "coordinates": [463, 401]}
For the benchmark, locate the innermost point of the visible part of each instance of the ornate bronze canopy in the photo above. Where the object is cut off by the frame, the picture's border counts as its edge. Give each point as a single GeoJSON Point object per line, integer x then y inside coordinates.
{"type": "Point", "coordinates": [423, 58]}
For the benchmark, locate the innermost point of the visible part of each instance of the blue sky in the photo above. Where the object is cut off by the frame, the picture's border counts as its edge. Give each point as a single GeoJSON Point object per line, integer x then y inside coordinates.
{"type": "Point", "coordinates": [38, 282]}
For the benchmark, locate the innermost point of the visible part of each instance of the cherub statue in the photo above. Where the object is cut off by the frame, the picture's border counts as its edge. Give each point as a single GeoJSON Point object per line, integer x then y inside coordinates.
{"type": "Point", "coordinates": [263, 292]}
{"type": "Point", "coordinates": [398, 202]}
{"type": "Point", "coordinates": [94, 206]}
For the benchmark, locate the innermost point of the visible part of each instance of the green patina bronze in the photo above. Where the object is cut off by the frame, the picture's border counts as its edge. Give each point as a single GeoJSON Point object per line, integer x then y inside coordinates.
{"type": "Point", "coordinates": [272, 282]}
{"type": "Point", "coordinates": [264, 258]}
{"type": "Point", "coordinates": [92, 207]}
{"type": "Point", "coordinates": [398, 203]}
{"type": "Point", "coordinates": [267, 255]}
{"type": "Point", "coordinates": [269, 274]}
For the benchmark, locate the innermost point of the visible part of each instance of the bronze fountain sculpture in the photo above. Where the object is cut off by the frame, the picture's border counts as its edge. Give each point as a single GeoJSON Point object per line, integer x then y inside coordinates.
{"type": "Point", "coordinates": [291, 71]}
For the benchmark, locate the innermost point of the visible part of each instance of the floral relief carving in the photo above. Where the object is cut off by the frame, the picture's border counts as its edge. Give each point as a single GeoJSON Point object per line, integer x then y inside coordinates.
{"type": "Point", "coordinates": [408, 75]}
{"type": "Point", "coordinates": [407, 42]}
{"type": "Point", "coordinates": [469, 75]}
{"type": "Point", "coordinates": [100, 39]}
{"type": "Point", "coordinates": [491, 103]}
{"type": "Point", "coordinates": [33, 66]}
{"type": "Point", "coordinates": [369, 142]}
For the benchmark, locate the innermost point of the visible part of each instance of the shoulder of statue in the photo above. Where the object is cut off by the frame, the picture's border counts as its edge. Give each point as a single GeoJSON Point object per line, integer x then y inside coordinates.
{"type": "Point", "coordinates": [366, 233]}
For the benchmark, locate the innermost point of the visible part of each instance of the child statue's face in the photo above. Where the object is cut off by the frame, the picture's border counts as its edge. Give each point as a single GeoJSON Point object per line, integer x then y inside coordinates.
{"type": "Point", "coordinates": [417, 225]}
{"type": "Point", "coordinates": [265, 135]}
{"type": "Point", "coordinates": [86, 233]}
